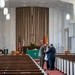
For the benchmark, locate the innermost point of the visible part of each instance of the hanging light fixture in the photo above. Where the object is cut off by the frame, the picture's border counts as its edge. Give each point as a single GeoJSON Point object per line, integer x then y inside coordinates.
{"type": "Point", "coordinates": [7, 16]}
{"type": "Point", "coordinates": [67, 16]}
{"type": "Point", "coordinates": [2, 3]}
{"type": "Point", "coordinates": [5, 11]}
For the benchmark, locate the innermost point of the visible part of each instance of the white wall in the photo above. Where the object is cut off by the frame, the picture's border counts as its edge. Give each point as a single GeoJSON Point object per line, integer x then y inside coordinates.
{"type": "Point", "coordinates": [1, 29]}
{"type": "Point", "coordinates": [12, 30]}
{"type": "Point", "coordinates": [72, 36]}
{"type": "Point", "coordinates": [57, 26]}
{"type": "Point", "coordinates": [7, 31]}
{"type": "Point", "coordinates": [73, 44]}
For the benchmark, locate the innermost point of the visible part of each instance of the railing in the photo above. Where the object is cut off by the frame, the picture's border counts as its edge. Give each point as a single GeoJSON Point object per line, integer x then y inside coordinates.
{"type": "Point", "coordinates": [65, 63]}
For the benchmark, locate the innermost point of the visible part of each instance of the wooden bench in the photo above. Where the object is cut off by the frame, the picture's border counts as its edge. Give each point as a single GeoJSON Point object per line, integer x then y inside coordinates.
{"type": "Point", "coordinates": [21, 73]}
{"type": "Point", "coordinates": [18, 65]}
{"type": "Point", "coordinates": [67, 63]}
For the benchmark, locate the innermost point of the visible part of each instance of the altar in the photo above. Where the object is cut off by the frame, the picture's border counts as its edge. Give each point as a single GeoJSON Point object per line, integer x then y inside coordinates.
{"type": "Point", "coordinates": [33, 53]}
{"type": "Point", "coordinates": [24, 48]}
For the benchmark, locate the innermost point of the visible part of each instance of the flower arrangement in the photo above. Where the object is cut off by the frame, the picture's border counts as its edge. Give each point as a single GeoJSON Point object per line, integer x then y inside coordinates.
{"type": "Point", "coordinates": [32, 43]}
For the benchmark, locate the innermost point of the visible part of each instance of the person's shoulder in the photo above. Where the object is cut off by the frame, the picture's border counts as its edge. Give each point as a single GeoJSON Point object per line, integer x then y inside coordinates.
{"type": "Point", "coordinates": [54, 48]}
{"type": "Point", "coordinates": [50, 48]}
{"type": "Point", "coordinates": [41, 47]}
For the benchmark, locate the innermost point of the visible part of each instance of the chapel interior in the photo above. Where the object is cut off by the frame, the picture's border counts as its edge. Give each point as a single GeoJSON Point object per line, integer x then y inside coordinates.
{"type": "Point", "coordinates": [26, 24]}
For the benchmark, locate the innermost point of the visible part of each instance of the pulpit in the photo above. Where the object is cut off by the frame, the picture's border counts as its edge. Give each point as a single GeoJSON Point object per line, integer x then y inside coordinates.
{"type": "Point", "coordinates": [24, 48]}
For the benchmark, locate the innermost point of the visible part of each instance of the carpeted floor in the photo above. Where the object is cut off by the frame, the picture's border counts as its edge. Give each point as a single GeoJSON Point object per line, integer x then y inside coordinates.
{"type": "Point", "coordinates": [50, 72]}
{"type": "Point", "coordinates": [54, 72]}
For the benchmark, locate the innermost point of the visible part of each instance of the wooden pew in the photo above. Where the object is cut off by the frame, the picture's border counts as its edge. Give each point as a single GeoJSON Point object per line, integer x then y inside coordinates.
{"type": "Point", "coordinates": [67, 63]}
{"type": "Point", "coordinates": [18, 65]}
{"type": "Point", "coordinates": [21, 73]}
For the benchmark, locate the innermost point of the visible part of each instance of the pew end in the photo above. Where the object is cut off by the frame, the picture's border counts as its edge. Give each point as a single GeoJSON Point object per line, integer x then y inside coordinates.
{"type": "Point", "coordinates": [67, 52]}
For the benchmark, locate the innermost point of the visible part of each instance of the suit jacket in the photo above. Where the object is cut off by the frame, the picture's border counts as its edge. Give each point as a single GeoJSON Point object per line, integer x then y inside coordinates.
{"type": "Point", "coordinates": [41, 51]}
{"type": "Point", "coordinates": [51, 53]}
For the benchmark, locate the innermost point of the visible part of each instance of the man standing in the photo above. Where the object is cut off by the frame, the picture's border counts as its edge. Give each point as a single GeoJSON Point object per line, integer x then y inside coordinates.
{"type": "Point", "coordinates": [51, 56]}
{"type": "Point", "coordinates": [42, 55]}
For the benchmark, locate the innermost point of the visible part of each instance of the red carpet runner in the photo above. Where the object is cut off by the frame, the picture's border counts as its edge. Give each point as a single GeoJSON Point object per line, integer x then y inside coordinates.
{"type": "Point", "coordinates": [50, 72]}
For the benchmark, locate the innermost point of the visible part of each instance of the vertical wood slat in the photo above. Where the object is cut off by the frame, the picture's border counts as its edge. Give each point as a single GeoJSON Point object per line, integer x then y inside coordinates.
{"type": "Point", "coordinates": [67, 64]}
{"type": "Point", "coordinates": [68, 67]}
{"type": "Point", "coordinates": [71, 73]}
{"type": "Point", "coordinates": [24, 22]}
{"type": "Point", "coordinates": [65, 67]}
{"type": "Point", "coordinates": [62, 65]}
{"type": "Point", "coordinates": [74, 68]}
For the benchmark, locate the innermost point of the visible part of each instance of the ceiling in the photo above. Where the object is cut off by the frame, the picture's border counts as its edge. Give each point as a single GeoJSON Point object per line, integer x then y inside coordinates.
{"type": "Point", "coordinates": [70, 1]}
{"type": "Point", "coordinates": [40, 3]}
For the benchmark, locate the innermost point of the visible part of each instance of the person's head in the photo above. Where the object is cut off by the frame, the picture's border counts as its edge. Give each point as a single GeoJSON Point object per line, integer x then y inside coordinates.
{"type": "Point", "coordinates": [51, 45]}
{"type": "Point", "coordinates": [45, 45]}
{"type": "Point", "coordinates": [48, 46]}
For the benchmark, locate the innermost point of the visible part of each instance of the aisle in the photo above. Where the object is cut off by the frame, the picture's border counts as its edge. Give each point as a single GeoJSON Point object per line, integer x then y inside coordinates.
{"type": "Point", "coordinates": [50, 72]}
{"type": "Point", "coordinates": [53, 72]}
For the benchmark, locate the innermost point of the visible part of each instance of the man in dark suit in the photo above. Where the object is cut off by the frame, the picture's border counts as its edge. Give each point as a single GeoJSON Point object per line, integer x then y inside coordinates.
{"type": "Point", "coordinates": [51, 56]}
